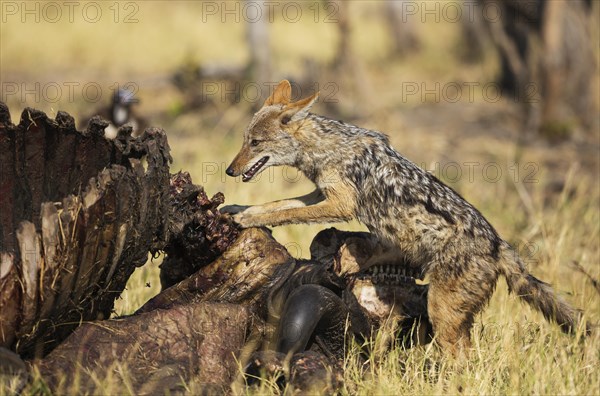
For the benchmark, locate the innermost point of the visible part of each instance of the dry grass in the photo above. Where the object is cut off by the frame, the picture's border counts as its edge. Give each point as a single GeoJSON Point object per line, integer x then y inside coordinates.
{"type": "Point", "coordinates": [515, 351]}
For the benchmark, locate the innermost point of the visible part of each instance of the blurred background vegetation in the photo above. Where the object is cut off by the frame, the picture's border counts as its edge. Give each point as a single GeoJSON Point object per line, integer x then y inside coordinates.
{"type": "Point", "coordinates": [497, 98]}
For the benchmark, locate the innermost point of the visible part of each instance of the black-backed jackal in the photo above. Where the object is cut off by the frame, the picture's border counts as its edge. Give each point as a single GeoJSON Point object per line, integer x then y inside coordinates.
{"type": "Point", "coordinates": [359, 175]}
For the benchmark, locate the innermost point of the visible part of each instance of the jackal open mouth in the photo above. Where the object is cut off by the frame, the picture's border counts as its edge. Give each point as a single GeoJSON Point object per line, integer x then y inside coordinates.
{"type": "Point", "coordinates": [255, 168]}
{"type": "Point", "coordinates": [392, 274]}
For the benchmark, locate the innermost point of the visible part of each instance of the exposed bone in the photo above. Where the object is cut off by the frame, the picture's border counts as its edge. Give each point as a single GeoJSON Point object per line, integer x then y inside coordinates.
{"type": "Point", "coordinates": [31, 263]}
{"type": "Point", "coordinates": [386, 291]}
{"type": "Point", "coordinates": [51, 250]}
{"type": "Point", "coordinates": [77, 218]}
{"type": "Point", "coordinates": [10, 299]}
{"type": "Point", "coordinates": [355, 252]}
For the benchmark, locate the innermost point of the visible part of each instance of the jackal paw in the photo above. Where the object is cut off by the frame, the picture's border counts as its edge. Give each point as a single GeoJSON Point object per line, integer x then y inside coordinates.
{"type": "Point", "coordinates": [233, 209]}
{"type": "Point", "coordinates": [243, 220]}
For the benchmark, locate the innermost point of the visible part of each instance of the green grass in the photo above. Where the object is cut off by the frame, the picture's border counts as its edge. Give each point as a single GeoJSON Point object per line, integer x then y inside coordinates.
{"type": "Point", "coordinates": [515, 351]}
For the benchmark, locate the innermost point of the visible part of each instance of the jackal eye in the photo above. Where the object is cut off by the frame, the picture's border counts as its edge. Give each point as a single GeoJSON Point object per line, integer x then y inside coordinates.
{"type": "Point", "coordinates": [286, 119]}
{"type": "Point", "coordinates": [254, 142]}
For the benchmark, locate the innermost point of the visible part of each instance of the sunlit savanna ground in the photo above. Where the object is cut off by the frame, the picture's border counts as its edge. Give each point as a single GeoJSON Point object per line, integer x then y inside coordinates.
{"type": "Point", "coordinates": [543, 198]}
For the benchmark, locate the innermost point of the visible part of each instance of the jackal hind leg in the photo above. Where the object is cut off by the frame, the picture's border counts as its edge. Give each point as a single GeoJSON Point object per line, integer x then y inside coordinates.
{"type": "Point", "coordinates": [454, 299]}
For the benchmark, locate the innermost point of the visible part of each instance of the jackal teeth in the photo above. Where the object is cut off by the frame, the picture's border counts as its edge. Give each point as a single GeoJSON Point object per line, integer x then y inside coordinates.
{"type": "Point", "coordinates": [255, 168]}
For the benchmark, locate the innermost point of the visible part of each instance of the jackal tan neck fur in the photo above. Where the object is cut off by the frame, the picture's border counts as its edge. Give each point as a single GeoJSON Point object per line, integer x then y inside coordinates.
{"type": "Point", "coordinates": [360, 176]}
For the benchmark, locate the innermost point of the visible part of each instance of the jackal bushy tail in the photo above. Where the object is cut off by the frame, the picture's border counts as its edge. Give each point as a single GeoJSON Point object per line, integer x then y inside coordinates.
{"type": "Point", "coordinates": [536, 293]}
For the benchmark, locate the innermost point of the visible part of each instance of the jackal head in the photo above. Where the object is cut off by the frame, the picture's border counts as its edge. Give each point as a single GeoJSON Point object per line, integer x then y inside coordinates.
{"type": "Point", "coordinates": [269, 139]}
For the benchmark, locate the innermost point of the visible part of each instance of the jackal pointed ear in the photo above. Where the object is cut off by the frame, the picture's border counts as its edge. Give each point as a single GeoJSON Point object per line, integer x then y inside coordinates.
{"type": "Point", "coordinates": [281, 94]}
{"type": "Point", "coordinates": [299, 110]}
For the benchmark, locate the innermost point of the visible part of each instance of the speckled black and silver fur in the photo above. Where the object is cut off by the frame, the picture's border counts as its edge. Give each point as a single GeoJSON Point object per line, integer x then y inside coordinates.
{"type": "Point", "coordinates": [359, 175]}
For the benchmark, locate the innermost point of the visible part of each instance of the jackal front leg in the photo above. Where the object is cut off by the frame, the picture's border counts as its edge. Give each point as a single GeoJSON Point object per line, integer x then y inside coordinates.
{"type": "Point", "coordinates": [325, 211]}
{"type": "Point", "coordinates": [298, 202]}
